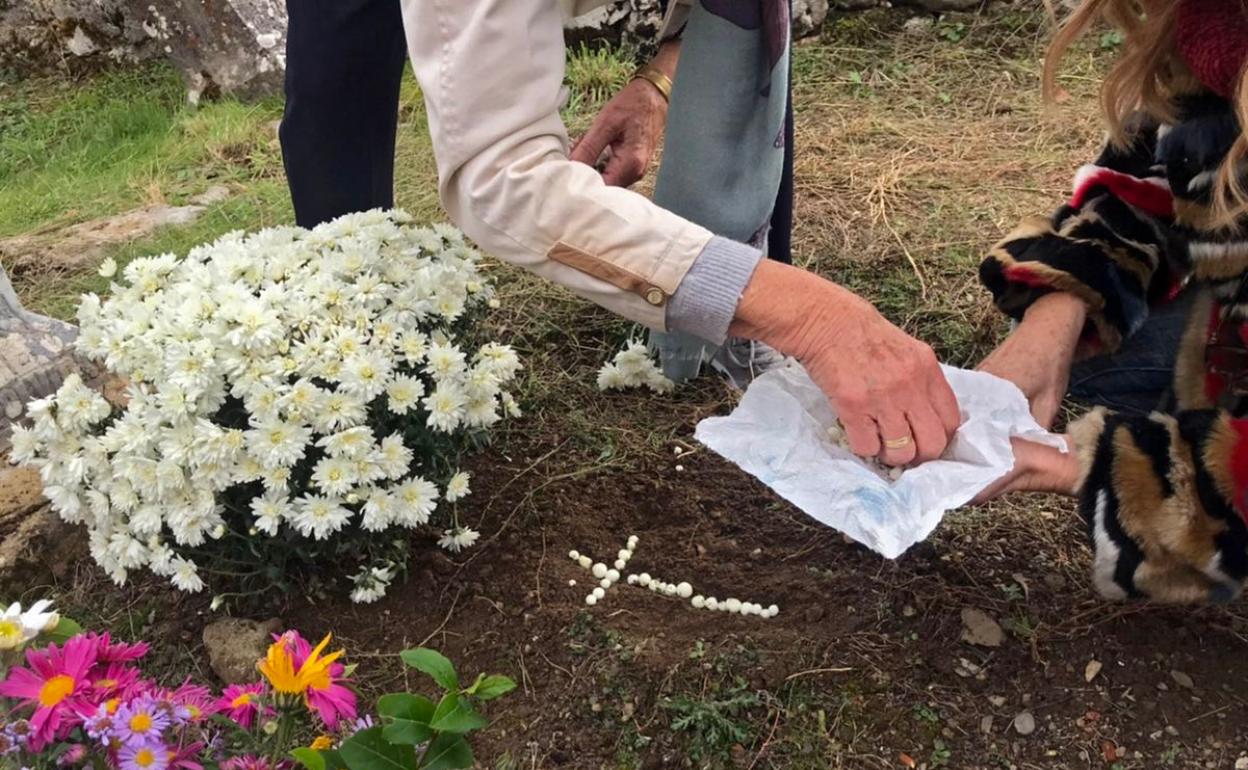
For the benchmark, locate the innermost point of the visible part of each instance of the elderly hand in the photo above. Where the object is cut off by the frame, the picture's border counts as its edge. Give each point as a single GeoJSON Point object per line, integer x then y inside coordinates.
{"type": "Point", "coordinates": [1037, 468]}
{"type": "Point", "coordinates": [629, 127]}
{"type": "Point", "coordinates": [887, 387]}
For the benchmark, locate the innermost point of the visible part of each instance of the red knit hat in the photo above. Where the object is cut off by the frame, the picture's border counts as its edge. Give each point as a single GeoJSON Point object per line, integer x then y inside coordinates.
{"type": "Point", "coordinates": [1212, 36]}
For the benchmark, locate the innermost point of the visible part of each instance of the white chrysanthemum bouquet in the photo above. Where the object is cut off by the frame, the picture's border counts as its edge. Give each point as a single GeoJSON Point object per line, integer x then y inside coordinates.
{"type": "Point", "coordinates": [292, 395]}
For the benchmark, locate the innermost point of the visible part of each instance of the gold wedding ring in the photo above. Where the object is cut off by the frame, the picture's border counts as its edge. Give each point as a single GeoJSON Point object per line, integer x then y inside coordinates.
{"type": "Point", "coordinates": [897, 443]}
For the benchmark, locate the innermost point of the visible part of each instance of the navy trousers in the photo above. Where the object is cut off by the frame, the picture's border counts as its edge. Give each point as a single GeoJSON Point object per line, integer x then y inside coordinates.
{"type": "Point", "coordinates": [344, 66]}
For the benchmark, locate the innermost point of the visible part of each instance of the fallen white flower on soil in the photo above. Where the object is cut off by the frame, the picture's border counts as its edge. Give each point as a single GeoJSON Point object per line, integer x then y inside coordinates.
{"type": "Point", "coordinates": [633, 368]}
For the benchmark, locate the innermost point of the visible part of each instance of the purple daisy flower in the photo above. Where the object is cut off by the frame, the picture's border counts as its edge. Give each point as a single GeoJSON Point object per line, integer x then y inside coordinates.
{"type": "Point", "coordinates": [142, 720]}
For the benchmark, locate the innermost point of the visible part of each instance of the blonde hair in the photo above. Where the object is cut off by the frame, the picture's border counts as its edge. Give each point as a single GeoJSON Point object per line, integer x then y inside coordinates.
{"type": "Point", "coordinates": [1149, 75]}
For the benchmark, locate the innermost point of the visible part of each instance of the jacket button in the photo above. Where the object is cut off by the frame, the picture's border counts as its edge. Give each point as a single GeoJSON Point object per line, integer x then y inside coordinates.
{"type": "Point", "coordinates": [655, 296]}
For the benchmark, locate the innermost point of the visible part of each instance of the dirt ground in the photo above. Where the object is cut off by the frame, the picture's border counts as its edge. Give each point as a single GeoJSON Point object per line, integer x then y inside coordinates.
{"type": "Point", "coordinates": [918, 144]}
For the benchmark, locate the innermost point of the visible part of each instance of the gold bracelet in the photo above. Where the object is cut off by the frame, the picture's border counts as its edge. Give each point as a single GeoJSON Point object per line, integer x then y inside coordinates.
{"type": "Point", "coordinates": [657, 78]}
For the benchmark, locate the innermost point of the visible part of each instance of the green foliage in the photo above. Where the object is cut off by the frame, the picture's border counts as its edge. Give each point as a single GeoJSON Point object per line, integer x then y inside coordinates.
{"type": "Point", "coordinates": [594, 75]}
{"type": "Point", "coordinates": [415, 734]}
{"type": "Point", "coordinates": [714, 724]}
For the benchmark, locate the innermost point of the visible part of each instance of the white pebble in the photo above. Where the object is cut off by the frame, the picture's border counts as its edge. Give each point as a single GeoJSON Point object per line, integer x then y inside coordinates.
{"type": "Point", "coordinates": [620, 564]}
{"type": "Point", "coordinates": [613, 575]}
{"type": "Point", "coordinates": [605, 583]}
{"type": "Point", "coordinates": [774, 610]}
{"type": "Point", "coordinates": [895, 473]}
{"type": "Point", "coordinates": [624, 554]}
{"type": "Point", "coordinates": [669, 589]}
{"type": "Point", "coordinates": [632, 580]}
{"type": "Point", "coordinates": [632, 542]}
{"type": "Point", "coordinates": [584, 561]}
{"type": "Point", "coordinates": [574, 555]}
{"type": "Point", "coordinates": [698, 601]}
{"type": "Point", "coordinates": [712, 603]}
{"type": "Point", "coordinates": [572, 582]}
{"type": "Point", "coordinates": [679, 468]}
{"type": "Point", "coordinates": [733, 605]}
{"type": "Point", "coordinates": [653, 586]}
{"type": "Point", "coordinates": [644, 579]}
{"type": "Point", "coordinates": [599, 592]}
{"type": "Point", "coordinates": [685, 590]}
{"type": "Point", "coordinates": [599, 570]}
{"type": "Point", "coordinates": [678, 451]}
{"type": "Point", "coordinates": [591, 600]}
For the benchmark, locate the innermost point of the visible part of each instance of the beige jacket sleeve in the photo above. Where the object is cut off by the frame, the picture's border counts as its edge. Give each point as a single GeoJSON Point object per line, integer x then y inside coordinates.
{"type": "Point", "coordinates": [492, 73]}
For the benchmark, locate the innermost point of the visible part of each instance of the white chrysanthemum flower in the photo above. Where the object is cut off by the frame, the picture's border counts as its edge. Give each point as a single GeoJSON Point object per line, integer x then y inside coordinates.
{"type": "Point", "coordinates": [403, 394]}
{"type": "Point", "coordinates": [319, 517]}
{"type": "Point", "coordinates": [185, 576]}
{"type": "Point", "coordinates": [456, 540]}
{"type": "Point", "coordinates": [446, 407]}
{"type": "Point", "coordinates": [366, 375]}
{"type": "Point", "coordinates": [415, 500]}
{"type": "Point", "coordinates": [278, 443]}
{"type": "Point", "coordinates": [457, 488]}
{"type": "Point", "coordinates": [633, 368]}
{"type": "Point", "coordinates": [444, 360]}
{"type": "Point", "coordinates": [393, 458]}
{"type": "Point", "coordinates": [270, 511]}
{"type": "Point", "coordinates": [340, 410]}
{"type": "Point", "coordinates": [334, 476]}
{"type": "Point", "coordinates": [352, 443]}
{"type": "Point", "coordinates": [378, 511]}
{"type": "Point", "coordinates": [108, 268]}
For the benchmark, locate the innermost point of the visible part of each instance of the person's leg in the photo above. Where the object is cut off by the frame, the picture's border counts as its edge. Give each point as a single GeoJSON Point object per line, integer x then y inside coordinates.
{"type": "Point", "coordinates": [344, 66]}
{"type": "Point", "coordinates": [1136, 379]}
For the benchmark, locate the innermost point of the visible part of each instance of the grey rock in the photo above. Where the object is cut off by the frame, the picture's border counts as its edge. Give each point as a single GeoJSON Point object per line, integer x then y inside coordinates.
{"type": "Point", "coordinates": [980, 629]}
{"type": "Point", "coordinates": [36, 355]}
{"type": "Point", "coordinates": [235, 645]}
{"type": "Point", "coordinates": [1024, 723]}
{"type": "Point", "coordinates": [1182, 680]}
{"type": "Point", "coordinates": [808, 16]}
{"type": "Point", "coordinates": [235, 46]}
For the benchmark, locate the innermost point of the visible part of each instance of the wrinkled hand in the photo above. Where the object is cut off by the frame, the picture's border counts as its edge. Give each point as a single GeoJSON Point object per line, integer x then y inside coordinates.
{"type": "Point", "coordinates": [629, 127]}
{"type": "Point", "coordinates": [887, 387]}
{"type": "Point", "coordinates": [1037, 468]}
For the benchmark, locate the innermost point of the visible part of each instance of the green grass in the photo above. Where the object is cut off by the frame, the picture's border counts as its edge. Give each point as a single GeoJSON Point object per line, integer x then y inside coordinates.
{"type": "Point", "coordinates": [76, 151]}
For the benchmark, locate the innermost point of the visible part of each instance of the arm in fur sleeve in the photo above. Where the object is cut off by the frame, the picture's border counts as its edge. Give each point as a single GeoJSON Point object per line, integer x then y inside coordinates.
{"type": "Point", "coordinates": [1164, 499]}
{"type": "Point", "coordinates": [1108, 246]}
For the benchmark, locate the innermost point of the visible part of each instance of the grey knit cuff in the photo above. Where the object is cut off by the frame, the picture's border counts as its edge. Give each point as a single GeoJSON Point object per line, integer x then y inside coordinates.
{"type": "Point", "coordinates": [706, 300]}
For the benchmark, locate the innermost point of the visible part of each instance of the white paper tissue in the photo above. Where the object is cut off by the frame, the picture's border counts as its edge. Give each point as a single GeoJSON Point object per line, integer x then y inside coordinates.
{"type": "Point", "coordinates": [779, 434]}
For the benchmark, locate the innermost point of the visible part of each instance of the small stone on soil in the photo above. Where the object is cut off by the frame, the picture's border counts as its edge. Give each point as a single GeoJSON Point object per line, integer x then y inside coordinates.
{"type": "Point", "coordinates": [980, 629]}
{"type": "Point", "coordinates": [1091, 670]}
{"type": "Point", "coordinates": [1182, 680]}
{"type": "Point", "coordinates": [1024, 723]}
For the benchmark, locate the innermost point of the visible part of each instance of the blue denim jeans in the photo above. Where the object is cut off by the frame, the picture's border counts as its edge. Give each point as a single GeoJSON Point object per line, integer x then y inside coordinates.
{"type": "Point", "coordinates": [1136, 379]}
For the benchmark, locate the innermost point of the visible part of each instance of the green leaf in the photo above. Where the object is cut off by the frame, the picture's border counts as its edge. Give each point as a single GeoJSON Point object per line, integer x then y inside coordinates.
{"type": "Point", "coordinates": [65, 630]}
{"type": "Point", "coordinates": [408, 718]}
{"type": "Point", "coordinates": [448, 751]}
{"type": "Point", "coordinates": [456, 715]}
{"type": "Point", "coordinates": [491, 687]}
{"type": "Point", "coordinates": [433, 663]}
{"type": "Point", "coordinates": [368, 750]}
{"type": "Point", "coordinates": [309, 758]}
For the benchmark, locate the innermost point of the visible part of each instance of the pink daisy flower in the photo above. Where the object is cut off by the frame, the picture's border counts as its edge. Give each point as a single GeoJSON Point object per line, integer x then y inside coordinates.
{"type": "Point", "coordinates": [54, 685]}
{"type": "Point", "coordinates": [241, 703]}
{"type": "Point", "coordinates": [116, 680]}
{"type": "Point", "coordinates": [117, 652]}
{"type": "Point", "coordinates": [247, 762]}
{"type": "Point", "coordinates": [192, 702]}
